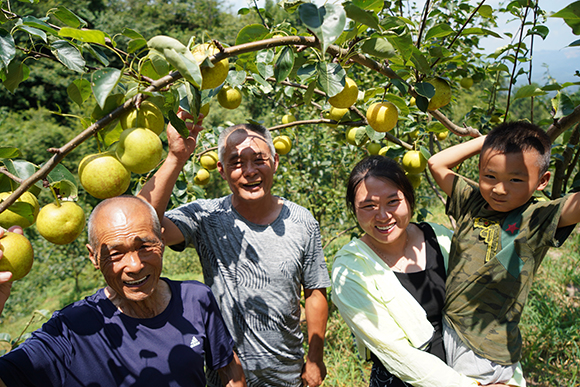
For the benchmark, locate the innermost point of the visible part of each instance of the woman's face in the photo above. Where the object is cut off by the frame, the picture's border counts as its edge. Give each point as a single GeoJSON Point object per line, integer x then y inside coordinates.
{"type": "Point", "coordinates": [382, 210]}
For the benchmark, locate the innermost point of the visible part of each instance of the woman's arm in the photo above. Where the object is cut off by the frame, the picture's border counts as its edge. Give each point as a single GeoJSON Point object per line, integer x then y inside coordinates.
{"type": "Point", "coordinates": [370, 319]}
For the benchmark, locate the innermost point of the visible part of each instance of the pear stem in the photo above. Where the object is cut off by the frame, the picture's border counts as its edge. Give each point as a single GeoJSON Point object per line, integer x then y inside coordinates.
{"type": "Point", "coordinates": [55, 196]}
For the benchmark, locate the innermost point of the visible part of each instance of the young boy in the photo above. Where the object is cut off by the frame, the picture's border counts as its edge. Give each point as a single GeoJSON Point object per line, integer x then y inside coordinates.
{"type": "Point", "coordinates": [501, 238]}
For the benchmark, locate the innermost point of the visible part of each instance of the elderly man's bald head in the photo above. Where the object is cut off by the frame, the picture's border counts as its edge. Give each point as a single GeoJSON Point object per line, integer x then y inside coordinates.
{"type": "Point", "coordinates": [128, 204]}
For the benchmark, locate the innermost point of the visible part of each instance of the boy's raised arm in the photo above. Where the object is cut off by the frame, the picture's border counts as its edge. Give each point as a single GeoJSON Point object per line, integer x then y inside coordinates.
{"type": "Point", "coordinates": [441, 164]}
{"type": "Point", "coordinates": [571, 211]}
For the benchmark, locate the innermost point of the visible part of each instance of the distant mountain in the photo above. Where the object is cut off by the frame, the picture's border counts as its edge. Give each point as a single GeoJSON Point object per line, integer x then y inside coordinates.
{"type": "Point", "coordinates": [561, 65]}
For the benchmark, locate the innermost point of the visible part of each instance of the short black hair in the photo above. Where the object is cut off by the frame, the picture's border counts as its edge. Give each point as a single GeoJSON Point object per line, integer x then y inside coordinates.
{"type": "Point", "coordinates": [380, 167]}
{"type": "Point", "coordinates": [520, 136]}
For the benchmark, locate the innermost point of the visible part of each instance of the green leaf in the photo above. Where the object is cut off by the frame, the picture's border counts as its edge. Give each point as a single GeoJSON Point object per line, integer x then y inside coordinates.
{"type": "Point", "coordinates": [571, 16]}
{"type": "Point", "coordinates": [379, 47]}
{"type": "Point", "coordinates": [68, 55]}
{"type": "Point", "coordinates": [331, 78]}
{"type": "Point", "coordinates": [552, 87]}
{"type": "Point", "coordinates": [9, 152]}
{"type": "Point", "coordinates": [178, 124]}
{"type": "Point", "coordinates": [67, 17]}
{"type": "Point", "coordinates": [439, 52]}
{"type": "Point", "coordinates": [563, 105]}
{"type": "Point", "coordinates": [132, 34]}
{"type": "Point", "coordinates": [190, 99]}
{"type": "Point", "coordinates": [528, 91]}
{"type": "Point", "coordinates": [98, 53]}
{"type": "Point", "coordinates": [306, 72]}
{"type": "Point", "coordinates": [103, 81]}
{"type": "Point", "coordinates": [264, 59]}
{"type": "Point", "coordinates": [425, 89]}
{"type": "Point", "coordinates": [38, 23]}
{"type": "Point", "coordinates": [498, 67]}
{"type": "Point", "coordinates": [62, 179]}
{"type": "Point", "coordinates": [399, 102]}
{"type": "Point", "coordinates": [236, 78]}
{"type": "Point", "coordinates": [326, 22]}
{"type": "Point", "coordinates": [439, 31]}
{"type": "Point", "coordinates": [370, 5]}
{"type": "Point", "coordinates": [7, 48]}
{"type": "Point", "coordinates": [88, 36]}
{"type": "Point", "coordinates": [113, 101]}
{"type": "Point", "coordinates": [542, 31]}
{"type": "Point", "coordinates": [159, 63]}
{"type": "Point", "coordinates": [79, 91]}
{"type": "Point", "coordinates": [33, 31]}
{"type": "Point", "coordinates": [135, 45]}
{"type": "Point", "coordinates": [309, 93]}
{"type": "Point", "coordinates": [264, 85]}
{"type": "Point", "coordinates": [17, 73]}
{"type": "Point", "coordinates": [284, 64]}
{"type": "Point", "coordinates": [486, 11]}
{"type": "Point", "coordinates": [185, 64]}
{"type": "Point", "coordinates": [359, 15]}
{"type": "Point", "coordinates": [479, 31]}
{"type": "Point", "coordinates": [425, 152]}
{"type": "Point", "coordinates": [575, 43]}
{"type": "Point", "coordinates": [403, 44]}
{"type": "Point", "coordinates": [251, 33]}
{"type": "Point", "coordinates": [21, 168]}
{"type": "Point", "coordinates": [421, 63]}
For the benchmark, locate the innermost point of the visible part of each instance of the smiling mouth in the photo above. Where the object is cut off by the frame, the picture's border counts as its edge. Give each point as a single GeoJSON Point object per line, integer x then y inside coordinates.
{"type": "Point", "coordinates": [253, 184]}
{"type": "Point", "coordinates": [386, 228]}
{"type": "Point", "coordinates": [136, 282]}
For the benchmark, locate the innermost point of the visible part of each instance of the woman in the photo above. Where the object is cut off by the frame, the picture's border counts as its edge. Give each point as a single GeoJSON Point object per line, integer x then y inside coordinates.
{"type": "Point", "coordinates": [389, 285]}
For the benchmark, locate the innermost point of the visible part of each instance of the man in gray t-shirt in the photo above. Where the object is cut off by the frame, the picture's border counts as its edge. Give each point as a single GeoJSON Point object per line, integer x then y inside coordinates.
{"type": "Point", "coordinates": [257, 251]}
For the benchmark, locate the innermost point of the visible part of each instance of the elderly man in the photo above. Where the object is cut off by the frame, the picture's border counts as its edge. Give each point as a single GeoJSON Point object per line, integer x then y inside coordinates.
{"type": "Point", "coordinates": [140, 330]}
{"type": "Point", "coordinates": [257, 251]}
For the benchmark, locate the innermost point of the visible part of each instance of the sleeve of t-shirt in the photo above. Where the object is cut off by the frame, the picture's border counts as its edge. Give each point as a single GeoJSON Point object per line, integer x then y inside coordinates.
{"type": "Point", "coordinates": [188, 219]}
{"type": "Point", "coordinates": [219, 345]}
{"type": "Point", "coordinates": [460, 192]}
{"type": "Point", "coordinates": [39, 361]}
{"type": "Point", "coordinates": [315, 270]}
{"type": "Point", "coordinates": [543, 225]}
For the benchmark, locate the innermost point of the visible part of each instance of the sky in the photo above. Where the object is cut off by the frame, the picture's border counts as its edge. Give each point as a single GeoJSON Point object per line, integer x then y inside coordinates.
{"type": "Point", "coordinates": [551, 54]}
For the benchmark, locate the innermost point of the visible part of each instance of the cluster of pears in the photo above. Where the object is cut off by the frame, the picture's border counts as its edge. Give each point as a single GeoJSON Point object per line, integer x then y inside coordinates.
{"type": "Point", "coordinates": [139, 150]}
{"type": "Point", "coordinates": [208, 162]}
{"type": "Point", "coordinates": [60, 222]}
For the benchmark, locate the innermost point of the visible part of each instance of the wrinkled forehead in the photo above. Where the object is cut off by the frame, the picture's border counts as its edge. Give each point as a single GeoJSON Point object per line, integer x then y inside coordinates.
{"type": "Point", "coordinates": [241, 139]}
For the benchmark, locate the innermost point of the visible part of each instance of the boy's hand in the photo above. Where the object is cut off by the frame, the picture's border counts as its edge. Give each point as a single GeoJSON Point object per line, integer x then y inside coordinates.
{"type": "Point", "coordinates": [441, 164]}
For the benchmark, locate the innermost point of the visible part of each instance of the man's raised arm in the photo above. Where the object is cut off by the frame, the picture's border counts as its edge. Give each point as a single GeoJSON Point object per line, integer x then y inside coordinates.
{"type": "Point", "coordinates": [441, 164]}
{"type": "Point", "coordinates": [157, 191]}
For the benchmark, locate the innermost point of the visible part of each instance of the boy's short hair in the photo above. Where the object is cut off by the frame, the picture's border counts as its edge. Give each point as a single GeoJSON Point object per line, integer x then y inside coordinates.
{"type": "Point", "coordinates": [520, 136]}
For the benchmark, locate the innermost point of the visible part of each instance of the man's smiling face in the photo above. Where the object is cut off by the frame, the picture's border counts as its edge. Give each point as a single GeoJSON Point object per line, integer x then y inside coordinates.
{"type": "Point", "coordinates": [248, 166]}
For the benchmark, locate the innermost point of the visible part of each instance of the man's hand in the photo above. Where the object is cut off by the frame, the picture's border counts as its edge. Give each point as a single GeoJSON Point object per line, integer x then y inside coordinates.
{"type": "Point", "coordinates": [179, 147]}
{"type": "Point", "coordinates": [5, 276]}
{"type": "Point", "coordinates": [313, 373]}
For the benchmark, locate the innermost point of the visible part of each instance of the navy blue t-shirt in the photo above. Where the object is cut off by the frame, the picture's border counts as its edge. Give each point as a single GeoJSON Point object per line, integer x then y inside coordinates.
{"type": "Point", "coordinates": [90, 343]}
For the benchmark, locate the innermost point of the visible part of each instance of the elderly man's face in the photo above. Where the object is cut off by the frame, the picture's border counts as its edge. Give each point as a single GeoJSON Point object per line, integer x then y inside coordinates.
{"type": "Point", "coordinates": [248, 166]}
{"type": "Point", "coordinates": [129, 254]}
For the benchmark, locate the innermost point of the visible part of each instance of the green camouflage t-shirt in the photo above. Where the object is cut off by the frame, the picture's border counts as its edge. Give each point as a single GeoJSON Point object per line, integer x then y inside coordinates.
{"type": "Point", "coordinates": [486, 289]}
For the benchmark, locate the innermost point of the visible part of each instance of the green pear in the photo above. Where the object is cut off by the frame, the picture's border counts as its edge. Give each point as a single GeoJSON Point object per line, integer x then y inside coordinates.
{"type": "Point", "coordinates": [60, 223]}
{"type": "Point", "coordinates": [22, 213]}
{"type": "Point", "coordinates": [139, 150]}
{"type": "Point", "coordinates": [103, 176]}
{"type": "Point", "coordinates": [17, 255]}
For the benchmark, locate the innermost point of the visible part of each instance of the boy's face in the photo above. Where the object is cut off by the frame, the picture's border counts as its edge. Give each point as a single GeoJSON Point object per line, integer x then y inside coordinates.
{"type": "Point", "coordinates": [508, 181]}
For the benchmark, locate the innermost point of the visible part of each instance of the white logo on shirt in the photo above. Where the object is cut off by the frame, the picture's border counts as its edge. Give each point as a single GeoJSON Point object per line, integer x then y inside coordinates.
{"type": "Point", "coordinates": [194, 342]}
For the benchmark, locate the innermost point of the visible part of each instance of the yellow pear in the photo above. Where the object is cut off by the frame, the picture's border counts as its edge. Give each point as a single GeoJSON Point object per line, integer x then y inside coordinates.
{"type": "Point", "coordinates": [22, 213]}
{"type": "Point", "coordinates": [139, 150]}
{"type": "Point", "coordinates": [229, 97]}
{"type": "Point", "coordinates": [201, 177]}
{"type": "Point", "coordinates": [214, 76]}
{"type": "Point", "coordinates": [60, 223]}
{"type": "Point", "coordinates": [17, 255]}
{"type": "Point", "coordinates": [148, 116]}
{"type": "Point", "coordinates": [209, 160]}
{"type": "Point", "coordinates": [103, 176]}
{"type": "Point", "coordinates": [347, 97]}
{"type": "Point", "coordinates": [442, 93]}
{"type": "Point", "coordinates": [283, 144]}
{"type": "Point", "coordinates": [382, 116]}
{"type": "Point", "coordinates": [414, 162]}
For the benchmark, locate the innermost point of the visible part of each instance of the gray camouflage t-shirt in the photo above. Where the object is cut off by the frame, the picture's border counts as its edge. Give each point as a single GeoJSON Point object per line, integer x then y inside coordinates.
{"type": "Point", "coordinates": [256, 273]}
